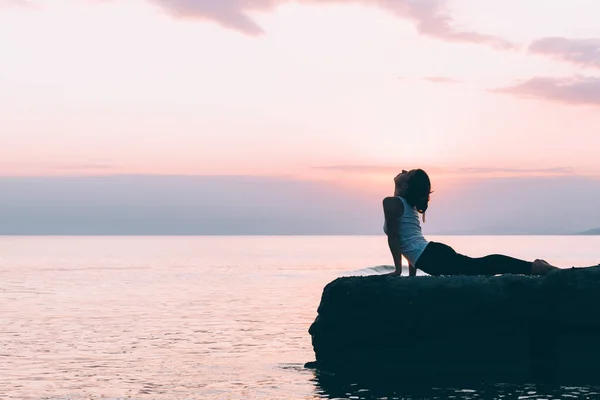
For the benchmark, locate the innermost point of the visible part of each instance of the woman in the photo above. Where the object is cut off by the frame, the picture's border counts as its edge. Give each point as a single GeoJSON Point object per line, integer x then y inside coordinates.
{"type": "Point", "coordinates": [403, 229]}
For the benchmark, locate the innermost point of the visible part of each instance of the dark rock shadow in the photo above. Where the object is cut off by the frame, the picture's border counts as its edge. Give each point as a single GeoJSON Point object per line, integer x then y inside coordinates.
{"type": "Point", "coordinates": [372, 387]}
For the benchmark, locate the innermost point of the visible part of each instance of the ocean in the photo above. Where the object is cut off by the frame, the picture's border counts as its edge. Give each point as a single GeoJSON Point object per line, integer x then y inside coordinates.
{"type": "Point", "coordinates": [206, 317]}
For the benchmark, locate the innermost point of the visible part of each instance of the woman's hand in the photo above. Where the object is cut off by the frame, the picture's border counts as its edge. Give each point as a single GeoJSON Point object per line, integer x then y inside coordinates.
{"type": "Point", "coordinates": [412, 271]}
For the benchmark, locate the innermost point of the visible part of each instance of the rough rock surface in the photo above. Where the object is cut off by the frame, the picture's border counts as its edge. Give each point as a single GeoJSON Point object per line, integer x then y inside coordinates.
{"type": "Point", "coordinates": [506, 328]}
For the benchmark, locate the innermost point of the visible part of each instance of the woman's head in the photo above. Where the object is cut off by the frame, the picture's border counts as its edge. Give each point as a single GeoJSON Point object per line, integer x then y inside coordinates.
{"type": "Point", "coordinates": [415, 187]}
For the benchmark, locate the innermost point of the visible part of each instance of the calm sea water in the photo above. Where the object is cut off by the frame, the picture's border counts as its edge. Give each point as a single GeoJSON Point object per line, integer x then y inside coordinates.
{"type": "Point", "coordinates": [203, 317]}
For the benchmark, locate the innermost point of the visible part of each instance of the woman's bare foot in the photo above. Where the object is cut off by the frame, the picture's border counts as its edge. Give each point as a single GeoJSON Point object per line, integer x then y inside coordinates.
{"type": "Point", "coordinates": [541, 267]}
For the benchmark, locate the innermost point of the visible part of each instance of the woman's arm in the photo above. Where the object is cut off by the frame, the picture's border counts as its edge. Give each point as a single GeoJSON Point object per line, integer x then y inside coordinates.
{"type": "Point", "coordinates": [393, 209]}
{"type": "Point", "coordinates": [412, 271]}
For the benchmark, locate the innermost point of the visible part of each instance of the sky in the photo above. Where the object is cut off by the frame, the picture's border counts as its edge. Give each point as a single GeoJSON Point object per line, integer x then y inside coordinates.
{"type": "Point", "coordinates": [292, 117]}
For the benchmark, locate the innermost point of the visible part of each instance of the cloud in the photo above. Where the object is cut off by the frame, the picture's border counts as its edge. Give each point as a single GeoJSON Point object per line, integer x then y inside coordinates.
{"type": "Point", "coordinates": [185, 205]}
{"type": "Point", "coordinates": [84, 167]}
{"type": "Point", "coordinates": [432, 19]}
{"type": "Point", "coordinates": [430, 16]}
{"type": "Point", "coordinates": [212, 205]}
{"type": "Point", "coordinates": [392, 170]}
{"type": "Point", "coordinates": [32, 168]}
{"type": "Point", "coordinates": [228, 13]}
{"type": "Point", "coordinates": [578, 90]}
{"type": "Point", "coordinates": [359, 168]}
{"type": "Point", "coordinates": [441, 79]}
{"type": "Point", "coordinates": [517, 205]}
{"type": "Point", "coordinates": [584, 52]}
{"type": "Point", "coordinates": [519, 171]}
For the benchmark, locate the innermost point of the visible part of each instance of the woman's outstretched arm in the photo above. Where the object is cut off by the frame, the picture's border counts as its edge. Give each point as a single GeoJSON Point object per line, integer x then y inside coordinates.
{"type": "Point", "coordinates": [393, 209]}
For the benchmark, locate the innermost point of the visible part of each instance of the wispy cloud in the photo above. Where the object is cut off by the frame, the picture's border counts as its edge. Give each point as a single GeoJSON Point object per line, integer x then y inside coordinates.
{"type": "Point", "coordinates": [210, 205]}
{"type": "Point", "coordinates": [578, 90]}
{"type": "Point", "coordinates": [10, 168]}
{"type": "Point", "coordinates": [430, 16]}
{"type": "Point", "coordinates": [584, 52]}
{"type": "Point", "coordinates": [367, 169]}
{"type": "Point", "coordinates": [432, 19]}
{"type": "Point", "coordinates": [392, 169]}
{"type": "Point", "coordinates": [182, 205]}
{"type": "Point", "coordinates": [83, 167]}
{"type": "Point", "coordinates": [358, 168]}
{"type": "Point", "coordinates": [520, 171]}
{"type": "Point", "coordinates": [228, 13]}
{"type": "Point", "coordinates": [441, 79]}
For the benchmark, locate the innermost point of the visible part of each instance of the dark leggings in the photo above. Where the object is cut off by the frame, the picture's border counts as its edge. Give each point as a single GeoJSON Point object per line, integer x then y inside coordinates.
{"type": "Point", "coordinates": [440, 259]}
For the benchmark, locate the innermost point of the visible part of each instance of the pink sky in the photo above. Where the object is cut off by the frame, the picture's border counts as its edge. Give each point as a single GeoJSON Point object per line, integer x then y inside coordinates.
{"type": "Point", "coordinates": [312, 89]}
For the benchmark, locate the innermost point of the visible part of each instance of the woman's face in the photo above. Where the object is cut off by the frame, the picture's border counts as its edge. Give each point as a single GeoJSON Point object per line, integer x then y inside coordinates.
{"type": "Point", "coordinates": [402, 178]}
{"type": "Point", "coordinates": [401, 182]}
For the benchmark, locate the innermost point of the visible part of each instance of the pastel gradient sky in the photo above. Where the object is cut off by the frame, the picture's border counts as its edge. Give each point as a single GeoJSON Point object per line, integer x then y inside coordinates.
{"type": "Point", "coordinates": [336, 91]}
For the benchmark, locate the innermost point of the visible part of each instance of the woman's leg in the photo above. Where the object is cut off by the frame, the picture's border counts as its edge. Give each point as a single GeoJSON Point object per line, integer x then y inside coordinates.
{"type": "Point", "coordinates": [440, 259]}
{"type": "Point", "coordinates": [494, 264]}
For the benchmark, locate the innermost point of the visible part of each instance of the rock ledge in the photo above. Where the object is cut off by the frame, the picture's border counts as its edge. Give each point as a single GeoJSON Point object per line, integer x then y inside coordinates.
{"type": "Point", "coordinates": [506, 328]}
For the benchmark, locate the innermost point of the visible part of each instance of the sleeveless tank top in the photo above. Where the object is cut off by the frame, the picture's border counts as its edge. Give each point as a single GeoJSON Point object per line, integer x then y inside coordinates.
{"type": "Point", "coordinates": [412, 242]}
